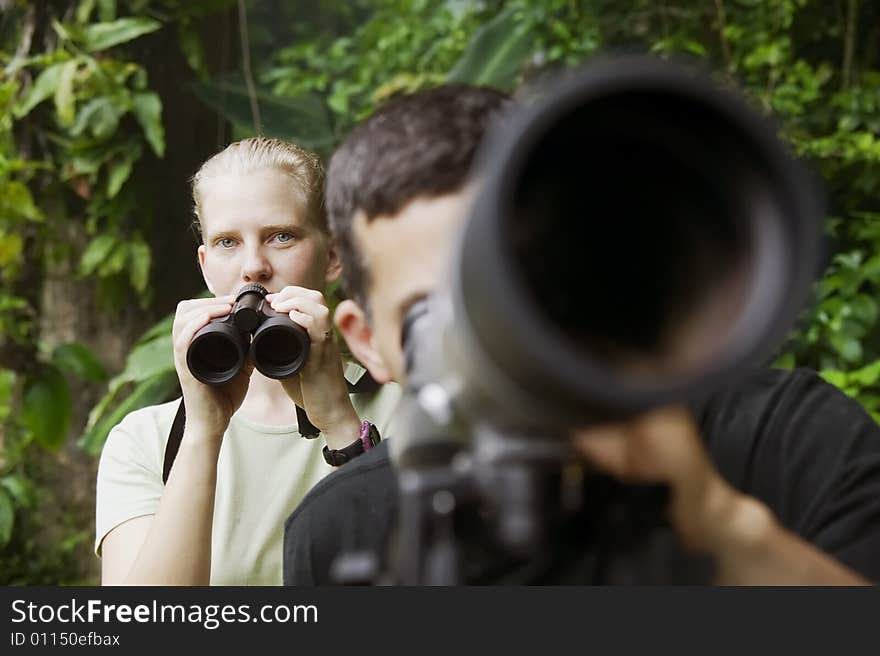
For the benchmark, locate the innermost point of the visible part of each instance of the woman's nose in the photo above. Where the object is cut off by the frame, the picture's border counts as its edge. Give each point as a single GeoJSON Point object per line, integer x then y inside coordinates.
{"type": "Point", "coordinates": [256, 267]}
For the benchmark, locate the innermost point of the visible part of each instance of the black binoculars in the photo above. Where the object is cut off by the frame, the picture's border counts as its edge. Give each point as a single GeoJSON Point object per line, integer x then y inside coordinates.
{"type": "Point", "coordinates": [278, 346]}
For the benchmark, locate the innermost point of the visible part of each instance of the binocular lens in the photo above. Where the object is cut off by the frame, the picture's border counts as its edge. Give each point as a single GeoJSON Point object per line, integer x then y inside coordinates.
{"type": "Point", "coordinates": [216, 356]}
{"type": "Point", "coordinates": [279, 350]}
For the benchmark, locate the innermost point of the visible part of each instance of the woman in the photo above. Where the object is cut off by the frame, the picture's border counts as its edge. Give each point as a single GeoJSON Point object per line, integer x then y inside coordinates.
{"type": "Point", "coordinates": [242, 466]}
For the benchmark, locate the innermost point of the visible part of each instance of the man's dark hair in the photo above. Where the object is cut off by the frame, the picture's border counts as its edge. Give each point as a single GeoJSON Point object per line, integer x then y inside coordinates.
{"type": "Point", "coordinates": [420, 145]}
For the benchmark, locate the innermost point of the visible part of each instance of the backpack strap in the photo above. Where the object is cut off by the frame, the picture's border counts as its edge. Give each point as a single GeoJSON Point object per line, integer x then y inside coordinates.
{"type": "Point", "coordinates": [306, 428]}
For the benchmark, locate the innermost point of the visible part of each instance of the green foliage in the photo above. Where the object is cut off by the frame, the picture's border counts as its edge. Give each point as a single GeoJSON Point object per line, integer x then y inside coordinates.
{"type": "Point", "coordinates": [78, 361]}
{"type": "Point", "coordinates": [77, 118]}
{"type": "Point", "coordinates": [46, 407]}
{"type": "Point", "coordinates": [303, 120]}
{"type": "Point", "coordinates": [495, 55]}
{"type": "Point", "coordinates": [149, 377]}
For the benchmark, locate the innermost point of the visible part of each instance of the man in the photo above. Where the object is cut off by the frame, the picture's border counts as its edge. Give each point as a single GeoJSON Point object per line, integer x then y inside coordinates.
{"type": "Point", "coordinates": [777, 479]}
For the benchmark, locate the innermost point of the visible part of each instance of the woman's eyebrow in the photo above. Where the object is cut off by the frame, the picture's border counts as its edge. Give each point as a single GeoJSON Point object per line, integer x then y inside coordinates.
{"type": "Point", "coordinates": [282, 227]}
{"type": "Point", "coordinates": [222, 234]}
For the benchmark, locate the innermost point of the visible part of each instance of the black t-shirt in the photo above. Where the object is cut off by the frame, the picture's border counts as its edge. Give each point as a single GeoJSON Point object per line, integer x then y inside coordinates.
{"type": "Point", "coordinates": [789, 439]}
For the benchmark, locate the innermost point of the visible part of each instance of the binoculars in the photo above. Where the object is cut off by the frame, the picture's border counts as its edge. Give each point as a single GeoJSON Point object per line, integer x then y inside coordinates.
{"type": "Point", "coordinates": [278, 346]}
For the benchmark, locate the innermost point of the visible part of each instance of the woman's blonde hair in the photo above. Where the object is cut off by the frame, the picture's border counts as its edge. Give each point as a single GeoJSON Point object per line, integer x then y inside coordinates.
{"type": "Point", "coordinates": [258, 153]}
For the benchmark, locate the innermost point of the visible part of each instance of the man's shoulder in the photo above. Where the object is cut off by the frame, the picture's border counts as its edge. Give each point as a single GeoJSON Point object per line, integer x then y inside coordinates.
{"type": "Point", "coordinates": [369, 475]}
{"type": "Point", "coordinates": [768, 399]}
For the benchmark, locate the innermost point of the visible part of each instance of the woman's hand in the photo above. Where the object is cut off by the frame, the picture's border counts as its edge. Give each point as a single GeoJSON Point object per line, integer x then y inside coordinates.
{"type": "Point", "coordinates": [320, 387]}
{"type": "Point", "coordinates": [208, 408]}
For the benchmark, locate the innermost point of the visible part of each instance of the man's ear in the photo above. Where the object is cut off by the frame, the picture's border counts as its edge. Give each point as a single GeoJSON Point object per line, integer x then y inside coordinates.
{"type": "Point", "coordinates": [201, 253]}
{"type": "Point", "coordinates": [351, 321]}
{"type": "Point", "coordinates": [334, 263]}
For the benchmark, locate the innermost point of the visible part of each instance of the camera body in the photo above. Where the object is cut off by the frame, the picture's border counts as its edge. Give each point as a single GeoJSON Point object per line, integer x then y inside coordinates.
{"type": "Point", "coordinates": [276, 344]}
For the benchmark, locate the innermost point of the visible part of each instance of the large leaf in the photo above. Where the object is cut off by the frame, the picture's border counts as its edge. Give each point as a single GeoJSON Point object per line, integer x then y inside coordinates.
{"type": "Point", "coordinates": [303, 120]}
{"type": "Point", "coordinates": [150, 358]}
{"type": "Point", "coordinates": [495, 54]}
{"type": "Point", "coordinates": [148, 392]}
{"type": "Point", "coordinates": [46, 407]}
{"type": "Point", "coordinates": [147, 108]}
{"type": "Point", "coordinates": [76, 359]}
{"type": "Point", "coordinates": [100, 36]}
{"type": "Point", "coordinates": [44, 87]}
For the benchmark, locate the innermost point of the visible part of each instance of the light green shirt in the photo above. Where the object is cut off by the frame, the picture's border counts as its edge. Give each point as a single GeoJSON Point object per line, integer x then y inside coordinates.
{"type": "Point", "coordinates": [263, 472]}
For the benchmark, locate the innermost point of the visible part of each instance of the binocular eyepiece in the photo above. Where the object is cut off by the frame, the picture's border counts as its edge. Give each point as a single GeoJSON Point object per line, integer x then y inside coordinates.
{"type": "Point", "coordinates": [278, 346]}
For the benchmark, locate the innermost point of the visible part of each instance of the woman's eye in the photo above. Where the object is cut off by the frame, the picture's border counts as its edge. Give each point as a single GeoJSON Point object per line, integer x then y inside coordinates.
{"type": "Point", "coordinates": [284, 237]}
{"type": "Point", "coordinates": [226, 242]}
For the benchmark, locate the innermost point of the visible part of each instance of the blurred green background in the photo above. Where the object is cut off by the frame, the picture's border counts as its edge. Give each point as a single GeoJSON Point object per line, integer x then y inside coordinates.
{"type": "Point", "coordinates": [107, 107]}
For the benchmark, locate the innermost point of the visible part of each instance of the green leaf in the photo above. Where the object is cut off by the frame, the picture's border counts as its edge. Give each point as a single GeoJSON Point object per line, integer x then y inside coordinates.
{"type": "Point", "coordinates": [7, 518]}
{"type": "Point", "coordinates": [303, 120]}
{"type": "Point", "coordinates": [867, 376]}
{"type": "Point", "coordinates": [16, 201]}
{"type": "Point", "coordinates": [65, 101]}
{"type": "Point", "coordinates": [835, 377]}
{"type": "Point", "coordinates": [150, 358]}
{"type": "Point", "coordinates": [155, 389]}
{"type": "Point", "coordinates": [20, 490]}
{"type": "Point", "coordinates": [192, 48]}
{"type": "Point", "coordinates": [100, 36]}
{"type": "Point", "coordinates": [84, 11]}
{"type": "Point", "coordinates": [96, 252]}
{"type": "Point", "coordinates": [44, 87]}
{"type": "Point", "coordinates": [77, 360]}
{"type": "Point", "coordinates": [849, 348]}
{"type": "Point", "coordinates": [139, 264]}
{"type": "Point", "coordinates": [120, 170]}
{"type": "Point", "coordinates": [147, 108]}
{"type": "Point", "coordinates": [7, 385]}
{"type": "Point", "coordinates": [496, 53]}
{"type": "Point", "coordinates": [864, 309]}
{"type": "Point", "coordinates": [46, 407]}
{"type": "Point", "coordinates": [115, 261]}
{"type": "Point", "coordinates": [100, 116]}
{"type": "Point", "coordinates": [11, 246]}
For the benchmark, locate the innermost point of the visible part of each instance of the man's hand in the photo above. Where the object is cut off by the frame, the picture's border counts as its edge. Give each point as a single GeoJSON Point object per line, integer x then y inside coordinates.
{"type": "Point", "coordinates": [320, 387]}
{"type": "Point", "coordinates": [664, 446]}
{"type": "Point", "coordinates": [710, 516]}
{"type": "Point", "coordinates": [208, 408]}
